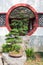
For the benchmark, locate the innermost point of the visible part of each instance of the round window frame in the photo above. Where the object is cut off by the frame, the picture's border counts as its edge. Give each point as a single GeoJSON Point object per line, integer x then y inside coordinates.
{"type": "Point", "coordinates": [23, 5]}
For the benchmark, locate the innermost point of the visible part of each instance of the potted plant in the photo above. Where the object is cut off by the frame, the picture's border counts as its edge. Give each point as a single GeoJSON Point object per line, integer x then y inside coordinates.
{"type": "Point", "coordinates": [16, 51]}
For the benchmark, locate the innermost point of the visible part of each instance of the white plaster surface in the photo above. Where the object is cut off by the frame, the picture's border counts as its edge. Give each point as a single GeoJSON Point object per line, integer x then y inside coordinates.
{"type": "Point", "coordinates": [5, 5]}
{"type": "Point", "coordinates": [3, 32]}
{"type": "Point", "coordinates": [38, 32]}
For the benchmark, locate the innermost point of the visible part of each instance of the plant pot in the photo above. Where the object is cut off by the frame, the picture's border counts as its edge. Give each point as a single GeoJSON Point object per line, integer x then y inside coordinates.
{"type": "Point", "coordinates": [16, 54]}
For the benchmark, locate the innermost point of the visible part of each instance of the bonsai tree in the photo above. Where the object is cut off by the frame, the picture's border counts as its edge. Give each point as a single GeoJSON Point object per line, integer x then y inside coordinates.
{"type": "Point", "coordinates": [19, 28]}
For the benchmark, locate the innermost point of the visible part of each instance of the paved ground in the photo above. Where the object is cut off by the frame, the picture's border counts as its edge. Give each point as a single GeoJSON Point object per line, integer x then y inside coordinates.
{"type": "Point", "coordinates": [0, 61]}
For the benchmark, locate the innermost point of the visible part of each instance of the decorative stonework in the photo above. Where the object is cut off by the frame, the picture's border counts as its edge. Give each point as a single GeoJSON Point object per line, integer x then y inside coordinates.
{"type": "Point", "coordinates": [41, 20]}
{"type": "Point", "coordinates": [2, 19]}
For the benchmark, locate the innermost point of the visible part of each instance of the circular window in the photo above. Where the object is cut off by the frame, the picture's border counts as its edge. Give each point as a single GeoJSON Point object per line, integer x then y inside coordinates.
{"type": "Point", "coordinates": [22, 19]}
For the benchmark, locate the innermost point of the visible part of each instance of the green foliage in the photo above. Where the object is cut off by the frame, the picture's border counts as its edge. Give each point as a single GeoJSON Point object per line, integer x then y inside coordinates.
{"type": "Point", "coordinates": [16, 47]}
{"type": "Point", "coordinates": [6, 48]}
{"type": "Point", "coordinates": [14, 39]}
{"type": "Point", "coordinates": [9, 47]}
{"type": "Point", "coordinates": [20, 25]}
{"type": "Point", "coordinates": [14, 30]}
{"type": "Point", "coordinates": [9, 40]}
{"type": "Point", "coordinates": [29, 52]}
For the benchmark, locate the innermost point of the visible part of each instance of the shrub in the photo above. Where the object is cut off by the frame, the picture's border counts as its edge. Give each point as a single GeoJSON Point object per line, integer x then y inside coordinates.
{"type": "Point", "coordinates": [29, 52]}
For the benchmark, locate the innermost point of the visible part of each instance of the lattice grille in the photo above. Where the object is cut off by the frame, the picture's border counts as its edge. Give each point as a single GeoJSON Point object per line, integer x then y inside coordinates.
{"type": "Point", "coordinates": [2, 19]}
{"type": "Point", "coordinates": [40, 19]}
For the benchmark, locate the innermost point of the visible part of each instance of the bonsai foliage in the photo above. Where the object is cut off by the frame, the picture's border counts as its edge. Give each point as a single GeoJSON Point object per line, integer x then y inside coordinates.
{"type": "Point", "coordinates": [9, 47]}
{"type": "Point", "coordinates": [20, 25]}
{"type": "Point", "coordinates": [6, 48]}
{"type": "Point", "coordinates": [16, 47]}
{"type": "Point", "coordinates": [13, 37]}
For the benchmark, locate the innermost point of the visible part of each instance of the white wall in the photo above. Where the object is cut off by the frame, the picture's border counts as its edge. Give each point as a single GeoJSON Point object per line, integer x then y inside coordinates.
{"type": "Point", "coordinates": [5, 5]}
{"type": "Point", "coordinates": [38, 32]}
{"type": "Point", "coordinates": [3, 32]}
